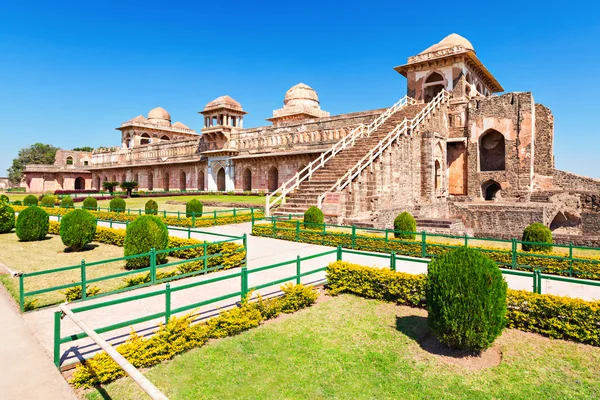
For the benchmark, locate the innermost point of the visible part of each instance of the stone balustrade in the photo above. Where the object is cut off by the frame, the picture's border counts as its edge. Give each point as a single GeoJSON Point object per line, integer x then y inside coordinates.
{"type": "Point", "coordinates": [148, 153]}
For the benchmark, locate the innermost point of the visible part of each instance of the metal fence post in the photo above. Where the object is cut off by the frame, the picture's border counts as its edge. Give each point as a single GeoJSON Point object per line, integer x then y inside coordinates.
{"type": "Point", "coordinates": [539, 285]}
{"type": "Point", "coordinates": [466, 240]}
{"type": "Point", "coordinates": [535, 281]}
{"type": "Point", "coordinates": [274, 227]}
{"type": "Point", "coordinates": [393, 261]}
{"type": "Point", "coordinates": [423, 244]}
{"type": "Point", "coordinates": [189, 233]}
{"type": "Point", "coordinates": [153, 266]}
{"type": "Point", "coordinates": [298, 270]}
{"type": "Point", "coordinates": [22, 292]}
{"type": "Point", "coordinates": [167, 303]}
{"type": "Point", "coordinates": [245, 244]}
{"type": "Point", "coordinates": [57, 315]}
{"type": "Point", "coordinates": [110, 225]}
{"type": "Point", "coordinates": [244, 282]}
{"type": "Point", "coordinates": [83, 281]}
{"type": "Point", "coordinates": [297, 230]}
{"type": "Point", "coordinates": [178, 214]}
{"type": "Point", "coordinates": [234, 217]}
{"type": "Point", "coordinates": [339, 252]}
{"type": "Point", "coordinates": [252, 216]}
{"type": "Point", "coordinates": [193, 220]}
{"type": "Point", "coordinates": [205, 260]}
{"type": "Point", "coordinates": [353, 236]}
{"type": "Point", "coordinates": [514, 254]}
{"type": "Point", "coordinates": [387, 232]}
{"type": "Point", "coordinates": [570, 258]}
{"type": "Point", "coordinates": [215, 217]}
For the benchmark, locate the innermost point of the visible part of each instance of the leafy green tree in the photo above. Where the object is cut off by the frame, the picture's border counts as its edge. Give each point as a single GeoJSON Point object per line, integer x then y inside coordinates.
{"type": "Point", "coordinates": [110, 186]}
{"type": "Point", "coordinates": [85, 148]}
{"type": "Point", "coordinates": [129, 186]}
{"type": "Point", "coordinates": [37, 153]}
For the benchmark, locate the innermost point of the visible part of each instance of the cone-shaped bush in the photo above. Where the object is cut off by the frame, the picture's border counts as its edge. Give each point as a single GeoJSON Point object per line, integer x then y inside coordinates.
{"type": "Point", "coordinates": [537, 233]}
{"type": "Point", "coordinates": [67, 202]}
{"type": "Point", "coordinates": [405, 222]}
{"type": "Point", "coordinates": [193, 207]}
{"type": "Point", "coordinates": [117, 205]}
{"type": "Point", "coordinates": [7, 218]}
{"type": "Point", "coordinates": [151, 207]}
{"type": "Point", "coordinates": [77, 229]}
{"type": "Point", "coordinates": [313, 217]}
{"type": "Point", "coordinates": [90, 203]}
{"type": "Point", "coordinates": [143, 234]}
{"type": "Point", "coordinates": [48, 201]}
{"type": "Point", "coordinates": [30, 200]}
{"type": "Point", "coordinates": [32, 224]}
{"type": "Point", "coordinates": [466, 299]}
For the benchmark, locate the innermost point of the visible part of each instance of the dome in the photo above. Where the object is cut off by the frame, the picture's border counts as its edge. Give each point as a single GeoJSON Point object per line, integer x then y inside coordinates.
{"type": "Point", "coordinates": [159, 116]}
{"type": "Point", "coordinates": [301, 94]}
{"type": "Point", "coordinates": [180, 125]}
{"type": "Point", "coordinates": [449, 42]}
{"type": "Point", "coordinates": [224, 102]}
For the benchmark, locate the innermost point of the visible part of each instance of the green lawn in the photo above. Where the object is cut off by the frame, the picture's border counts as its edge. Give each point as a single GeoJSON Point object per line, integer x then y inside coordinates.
{"type": "Point", "coordinates": [352, 348]}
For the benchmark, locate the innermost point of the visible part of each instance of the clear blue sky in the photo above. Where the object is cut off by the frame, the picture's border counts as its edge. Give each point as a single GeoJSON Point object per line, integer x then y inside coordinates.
{"type": "Point", "coordinates": [70, 72]}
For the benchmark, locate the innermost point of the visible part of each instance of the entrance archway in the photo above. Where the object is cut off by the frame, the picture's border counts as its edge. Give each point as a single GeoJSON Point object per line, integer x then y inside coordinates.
{"type": "Point", "coordinates": [273, 179]}
{"type": "Point", "coordinates": [166, 181]}
{"type": "Point", "coordinates": [182, 182]}
{"type": "Point", "coordinates": [247, 180]}
{"type": "Point", "coordinates": [490, 190]}
{"type": "Point", "coordinates": [221, 180]}
{"type": "Point", "coordinates": [201, 180]}
{"type": "Point", "coordinates": [79, 183]}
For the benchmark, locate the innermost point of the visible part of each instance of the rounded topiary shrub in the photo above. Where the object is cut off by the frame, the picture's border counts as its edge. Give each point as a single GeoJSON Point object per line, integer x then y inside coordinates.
{"type": "Point", "coordinates": [32, 224]}
{"type": "Point", "coordinates": [313, 217]}
{"type": "Point", "coordinates": [4, 198]}
{"type": "Point", "coordinates": [193, 207]}
{"type": "Point", "coordinates": [537, 233]}
{"type": "Point", "coordinates": [30, 200]}
{"type": "Point", "coordinates": [466, 299]}
{"type": "Point", "coordinates": [48, 201]}
{"type": "Point", "coordinates": [404, 226]}
{"type": "Point", "coordinates": [151, 207]}
{"type": "Point", "coordinates": [7, 218]}
{"type": "Point", "coordinates": [143, 234]}
{"type": "Point", "coordinates": [77, 229]}
{"type": "Point", "coordinates": [90, 203]}
{"type": "Point", "coordinates": [117, 205]}
{"type": "Point", "coordinates": [67, 202]}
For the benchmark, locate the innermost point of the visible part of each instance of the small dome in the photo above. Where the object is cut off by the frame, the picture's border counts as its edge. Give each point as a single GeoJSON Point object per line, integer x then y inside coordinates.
{"type": "Point", "coordinates": [449, 42]}
{"type": "Point", "coordinates": [159, 116]}
{"type": "Point", "coordinates": [139, 118]}
{"type": "Point", "coordinates": [180, 125]}
{"type": "Point", "coordinates": [301, 94]}
{"type": "Point", "coordinates": [223, 102]}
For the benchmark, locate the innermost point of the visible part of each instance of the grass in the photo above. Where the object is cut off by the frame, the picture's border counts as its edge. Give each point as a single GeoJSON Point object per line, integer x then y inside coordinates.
{"type": "Point", "coordinates": [49, 254]}
{"type": "Point", "coordinates": [353, 348]}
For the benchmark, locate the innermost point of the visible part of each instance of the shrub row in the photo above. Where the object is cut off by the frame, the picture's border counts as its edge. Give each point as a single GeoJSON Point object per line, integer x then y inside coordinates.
{"type": "Point", "coordinates": [180, 335]}
{"type": "Point", "coordinates": [557, 317]}
{"type": "Point", "coordinates": [589, 269]}
{"type": "Point", "coordinates": [169, 221]}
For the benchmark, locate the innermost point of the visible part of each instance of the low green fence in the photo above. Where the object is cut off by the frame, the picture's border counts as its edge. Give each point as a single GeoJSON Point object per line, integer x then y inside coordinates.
{"type": "Point", "coordinates": [154, 268]}
{"type": "Point", "coordinates": [244, 288]}
{"type": "Point", "coordinates": [506, 255]}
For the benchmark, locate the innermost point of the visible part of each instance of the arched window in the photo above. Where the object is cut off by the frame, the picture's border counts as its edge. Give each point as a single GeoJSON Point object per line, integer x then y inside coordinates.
{"type": "Point", "coordinates": [434, 77]}
{"type": "Point", "coordinates": [200, 180]}
{"type": "Point", "coordinates": [490, 190]}
{"type": "Point", "coordinates": [69, 160]}
{"type": "Point", "coordinates": [433, 85]}
{"type": "Point", "coordinates": [182, 181]}
{"type": "Point", "coordinates": [164, 138]}
{"type": "Point", "coordinates": [273, 179]}
{"type": "Point", "coordinates": [492, 152]}
{"type": "Point", "coordinates": [114, 178]}
{"type": "Point", "coordinates": [145, 138]}
{"type": "Point", "coordinates": [150, 181]}
{"type": "Point", "coordinates": [221, 180]}
{"type": "Point", "coordinates": [479, 88]}
{"type": "Point", "coordinates": [166, 181]}
{"type": "Point", "coordinates": [79, 183]}
{"type": "Point", "coordinates": [136, 178]}
{"type": "Point", "coordinates": [247, 180]}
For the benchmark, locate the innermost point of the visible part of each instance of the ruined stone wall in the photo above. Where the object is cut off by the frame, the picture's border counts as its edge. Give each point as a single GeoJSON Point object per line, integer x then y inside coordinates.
{"type": "Point", "coordinates": [569, 181]}
{"type": "Point", "coordinates": [259, 169]}
{"type": "Point", "coordinates": [543, 163]}
{"type": "Point", "coordinates": [502, 219]}
{"type": "Point", "coordinates": [511, 115]}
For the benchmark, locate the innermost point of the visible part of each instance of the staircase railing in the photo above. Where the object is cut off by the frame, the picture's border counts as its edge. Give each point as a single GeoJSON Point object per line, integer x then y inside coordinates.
{"type": "Point", "coordinates": [306, 173]}
{"type": "Point", "coordinates": [405, 127]}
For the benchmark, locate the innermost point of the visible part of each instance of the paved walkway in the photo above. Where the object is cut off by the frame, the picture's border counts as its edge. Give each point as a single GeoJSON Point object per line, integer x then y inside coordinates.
{"type": "Point", "coordinates": [26, 371]}
{"type": "Point", "coordinates": [261, 251]}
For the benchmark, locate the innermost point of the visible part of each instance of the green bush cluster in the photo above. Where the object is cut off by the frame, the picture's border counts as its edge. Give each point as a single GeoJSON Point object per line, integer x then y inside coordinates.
{"type": "Point", "coordinates": [117, 205]}
{"type": "Point", "coordinates": [32, 224]}
{"type": "Point", "coordinates": [4, 199]}
{"type": "Point", "coordinates": [313, 217]}
{"type": "Point", "coordinates": [554, 316]}
{"type": "Point", "coordinates": [180, 335]}
{"type": "Point", "coordinates": [48, 201]}
{"type": "Point", "coordinates": [90, 203]}
{"type": "Point", "coordinates": [151, 207]}
{"type": "Point", "coordinates": [538, 233]}
{"type": "Point", "coordinates": [143, 234]}
{"type": "Point", "coordinates": [7, 218]}
{"type": "Point", "coordinates": [17, 203]}
{"type": "Point", "coordinates": [30, 200]}
{"type": "Point", "coordinates": [193, 208]}
{"type": "Point", "coordinates": [466, 299]}
{"type": "Point", "coordinates": [74, 293]}
{"type": "Point", "coordinates": [404, 226]}
{"type": "Point", "coordinates": [77, 229]}
{"type": "Point", "coordinates": [67, 202]}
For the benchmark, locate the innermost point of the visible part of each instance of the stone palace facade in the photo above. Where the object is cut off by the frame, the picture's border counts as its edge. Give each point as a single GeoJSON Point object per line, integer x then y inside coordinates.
{"type": "Point", "coordinates": [452, 152]}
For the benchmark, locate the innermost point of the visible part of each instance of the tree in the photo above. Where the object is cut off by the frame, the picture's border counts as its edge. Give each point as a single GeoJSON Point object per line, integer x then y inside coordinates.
{"type": "Point", "coordinates": [85, 148]}
{"type": "Point", "coordinates": [110, 186]}
{"type": "Point", "coordinates": [129, 186]}
{"type": "Point", "coordinates": [37, 153]}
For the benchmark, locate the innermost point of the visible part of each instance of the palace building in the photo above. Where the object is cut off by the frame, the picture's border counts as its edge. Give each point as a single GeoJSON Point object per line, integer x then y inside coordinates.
{"type": "Point", "coordinates": [452, 151]}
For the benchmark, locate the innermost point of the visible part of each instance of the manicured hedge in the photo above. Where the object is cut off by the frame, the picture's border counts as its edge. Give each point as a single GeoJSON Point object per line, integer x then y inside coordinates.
{"type": "Point", "coordinates": [143, 234]}
{"type": "Point", "coordinates": [90, 203]}
{"type": "Point", "coordinates": [4, 199]}
{"type": "Point", "coordinates": [403, 225]}
{"type": "Point", "coordinates": [537, 233]}
{"type": "Point", "coordinates": [30, 200]}
{"type": "Point", "coordinates": [48, 201]}
{"type": "Point", "coordinates": [117, 205]}
{"type": "Point", "coordinates": [313, 217]}
{"type": "Point", "coordinates": [67, 202]}
{"type": "Point", "coordinates": [151, 207]}
{"type": "Point", "coordinates": [588, 268]}
{"type": "Point", "coordinates": [180, 335]}
{"type": "Point", "coordinates": [557, 317]}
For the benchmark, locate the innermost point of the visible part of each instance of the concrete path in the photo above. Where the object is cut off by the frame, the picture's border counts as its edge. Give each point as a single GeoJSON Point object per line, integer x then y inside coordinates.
{"type": "Point", "coordinates": [26, 371]}
{"type": "Point", "coordinates": [261, 252]}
